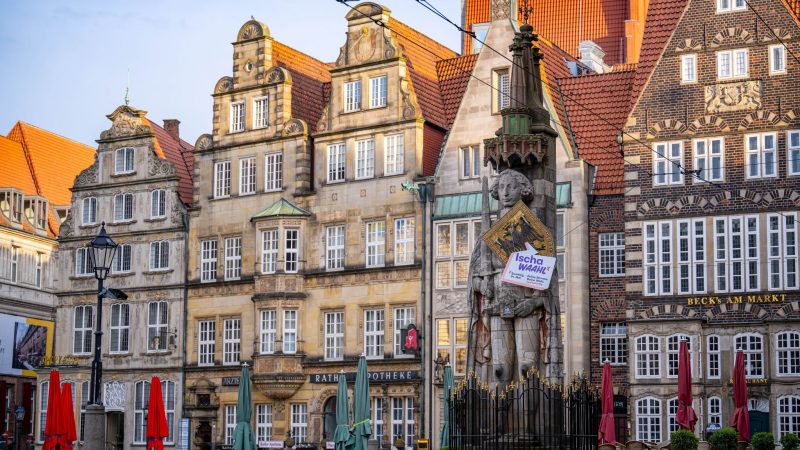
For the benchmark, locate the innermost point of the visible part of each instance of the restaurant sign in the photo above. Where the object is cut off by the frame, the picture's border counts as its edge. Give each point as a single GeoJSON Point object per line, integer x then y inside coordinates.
{"type": "Point", "coordinates": [230, 381]}
{"type": "Point", "coordinates": [714, 300]}
{"type": "Point", "coordinates": [386, 376]}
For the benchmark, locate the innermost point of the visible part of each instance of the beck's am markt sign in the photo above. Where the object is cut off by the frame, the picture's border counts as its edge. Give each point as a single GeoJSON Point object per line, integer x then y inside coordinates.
{"type": "Point", "coordinates": [530, 269]}
{"type": "Point", "coordinates": [732, 299]}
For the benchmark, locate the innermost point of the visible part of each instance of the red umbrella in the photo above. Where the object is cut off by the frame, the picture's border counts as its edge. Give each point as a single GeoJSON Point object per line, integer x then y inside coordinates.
{"type": "Point", "coordinates": [54, 433]}
{"type": "Point", "coordinates": [741, 418]}
{"type": "Point", "coordinates": [68, 414]}
{"type": "Point", "coordinates": [157, 428]}
{"type": "Point", "coordinates": [685, 416]}
{"type": "Point", "coordinates": [607, 433]}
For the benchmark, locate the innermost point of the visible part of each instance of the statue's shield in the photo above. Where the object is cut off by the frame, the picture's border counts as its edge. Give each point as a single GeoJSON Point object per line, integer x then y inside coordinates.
{"type": "Point", "coordinates": [515, 229]}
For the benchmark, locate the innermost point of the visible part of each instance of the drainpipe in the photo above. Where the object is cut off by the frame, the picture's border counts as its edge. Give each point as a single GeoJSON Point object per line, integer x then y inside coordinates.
{"type": "Point", "coordinates": [185, 309]}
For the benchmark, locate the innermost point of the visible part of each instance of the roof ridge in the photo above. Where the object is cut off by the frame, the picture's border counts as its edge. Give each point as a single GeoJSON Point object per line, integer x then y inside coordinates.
{"type": "Point", "coordinates": [28, 157]}
{"type": "Point", "coordinates": [434, 41]}
{"type": "Point", "coordinates": [53, 133]}
{"type": "Point", "coordinates": [300, 51]}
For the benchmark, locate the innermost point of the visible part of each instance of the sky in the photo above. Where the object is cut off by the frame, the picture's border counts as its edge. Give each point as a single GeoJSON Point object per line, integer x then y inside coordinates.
{"type": "Point", "coordinates": [65, 64]}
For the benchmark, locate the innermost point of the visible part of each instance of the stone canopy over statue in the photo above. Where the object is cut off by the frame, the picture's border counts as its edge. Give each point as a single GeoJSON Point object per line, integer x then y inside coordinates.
{"type": "Point", "coordinates": [515, 331]}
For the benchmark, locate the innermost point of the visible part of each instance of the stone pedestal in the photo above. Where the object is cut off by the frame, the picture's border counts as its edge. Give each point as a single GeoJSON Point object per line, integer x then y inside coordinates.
{"type": "Point", "coordinates": [95, 428]}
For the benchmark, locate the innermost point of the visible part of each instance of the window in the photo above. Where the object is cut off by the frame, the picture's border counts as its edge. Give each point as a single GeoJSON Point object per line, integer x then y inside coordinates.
{"type": "Point", "coordinates": [393, 154]}
{"type": "Point", "coordinates": [403, 420]}
{"type": "Point", "coordinates": [291, 249]}
{"type": "Point", "coordinates": [648, 357]}
{"type": "Point", "coordinates": [658, 258]}
{"type": "Point", "coordinates": [793, 152]}
{"type": "Point", "coordinates": [672, 411]}
{"type": "Point", "coordinates": [263, 422]}
{"type": "Point", "coordinates": [689, 68]}
{"type": "Point", "coordinates": [668, 164]}
{"type": "Point", "coordinates": [230, 341]}
{"type": "Point", "coordinates": [157, 324]}
{"type": "Point", "coordinates": [159, 255]}
{"type": "Point", "coordinates": [123, 207]}
{"type": "Point", "coordinates": [732, 64]}
{"type": "Point", "coordinates": [247, 176]}
{"type": "Point", "coordinates": [122, 259]}
{"type": "Point", "coordinates": [352, 96]}
{"type": "Point", "coordinates": [470, 157]}
{"type": "Point", "coordinates": [43, 391]}
{"type": "Point", "coordinates": [336, 162]}
{"type": "Point", "coordinates": [648, 419]}
{"type": "Point", "coordinates": [612, 254]}
{"type": "Point", "coordinates": [480, 31]}
{"type": "Point", "coordinates": [260, 112]}
{"type": "Point", "coordinates": [736, 254]}
{"type": "Point", "coordinates": [84, 402]}
{"type": "Point", "coordinates": [83, 262]}
{"type": "Point", "coordinates": [230, 423]}
{"type": "Point", "coordinates": [334, 335]}
{"type": "Point", "coordinates": [233, 258]}
{"type": "Point", "coordinates": [334, 243]}
{"type": "Point", "coordinates": [713, 356]}
{"type": "Point", "coordinates": [269, 251]}
{"type": "Point", "coordinates": [673, 348]}
{"type": "Point", "coordinates": [708, 159]}
{"type": "Point", "coordinates": [37, 281]}
{"type": "Point", "coordinates": [120, 327]}
{"type": "Point", "coordinates": [123, 160]}
{"type": "Point", "coordinates": [402, 318]}
{"type": "Point", "coordinates": [373, 333]}
{"type": "Point", "coordinates": [782, 250]}
{"type": "Point", "coordinates": [290, 331]}
{"type": "Point", "coordinates": [451, 342]}
{"type": "Point", "coordinates": [691, 254]}
{"type": "Point", "coordinates": [269, 329]}
{"type": "Point", "coordinates": [788, 353]}
{"type": "Point", "coordinates": [377, 92]}
{"type": "Point", "coordinates": [715, 410]}
{"type": "Point", "coordinates": [158, 204]}
{"type": "Point", "coordinates": [237, 117]}
{"type": "Point", "coordinates": [89, 211]}
{"type": "Point", "coordinates": [788, 415]}
{"type": "Point", "coordinates": [404, 241]}
{"type": "Point", "coordinates": [14, 264]}
{"type": "Point", "coordinates": [501, 89]}
{"type": "Point", "coordinates": [207, 346]}
{"type": "Point", "coordinates": [208, 261]}
{"type": "Point", "coordinates": [752, 346]}
{"type": "Point", "coordinates": [760, 159]}
{"type": "Point", "coordinates": [141, 400]}
{"type": "Point", "coordinates": [168, 398]}
{"type": "Point", "coordinates": [777, 59]}
{"type": "Point", "coordinates": [82, 330]}
{"type": "Point", "coordinates": [222, 179]}
{"type": "Point", "coordinates": [273, 172]}
{"type": "Point", "coordinates": [299, 422]}
{"type": "Point", "coordinates": [614, 343]}
{"type": "Point", "coordinates": [376, 244]}
{"type": "Point", "coordinates": [365, 158]}
{"type": "Point", "coordinates": [377, 420]}
{"type": "Point", "coordinates": [730, 5]}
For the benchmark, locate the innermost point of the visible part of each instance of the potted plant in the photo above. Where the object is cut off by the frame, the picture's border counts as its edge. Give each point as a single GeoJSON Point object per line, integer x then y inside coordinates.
{"type": "Point", "coordinates": [790, 441]}
{"type": "Point", "coordinates": [763, 441]}
{"type": "Point", "coordinates": [724, 439]}
{"type": "Point", "coordinates": [683, 440]}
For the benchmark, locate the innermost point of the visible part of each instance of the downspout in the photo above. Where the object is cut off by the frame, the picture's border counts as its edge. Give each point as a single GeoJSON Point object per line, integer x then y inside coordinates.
{"type": "Point", "coordinates": [423, 310]}
{"type": "Point", "coordinates": [185, 308]}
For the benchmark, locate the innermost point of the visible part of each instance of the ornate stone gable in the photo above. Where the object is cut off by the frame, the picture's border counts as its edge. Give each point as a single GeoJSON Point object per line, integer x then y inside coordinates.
{"type": "Point", "coordinates": [366, 41]}
{"type": "Point", "coordinates": [126, 121]}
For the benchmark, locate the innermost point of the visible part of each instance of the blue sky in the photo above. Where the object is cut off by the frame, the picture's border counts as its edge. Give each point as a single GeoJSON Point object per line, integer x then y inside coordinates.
{"type": "Point", "coordinates": [65, 63]}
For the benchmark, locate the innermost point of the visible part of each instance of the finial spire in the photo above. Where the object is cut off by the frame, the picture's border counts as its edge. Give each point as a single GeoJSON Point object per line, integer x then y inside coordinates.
{"type": "Point", "coordinates": [127, 88]}
{"type": "Point", "coordinates": [525, 9]}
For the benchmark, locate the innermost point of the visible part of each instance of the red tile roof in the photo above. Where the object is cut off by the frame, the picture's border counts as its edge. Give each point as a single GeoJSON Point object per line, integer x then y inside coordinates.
{"type": "Point", "coordinates": [454, 75]}
{"type": "Point", "coordinates": [14, 171]}
{"type": "Point", "coordinates": [179, 153]}
{"type": "Point", "coordinates": [554, 62]}
{"type": "Point", "coordinates": [309, 76]}
{"type": "Point", "coordinates": [794, 7]}
{"type": "Point", "coordinates": [432, 139]}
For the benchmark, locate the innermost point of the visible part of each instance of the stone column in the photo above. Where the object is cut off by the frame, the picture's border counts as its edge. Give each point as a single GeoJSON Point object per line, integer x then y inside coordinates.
{"type": "Point", "coordinates": [95, 428]}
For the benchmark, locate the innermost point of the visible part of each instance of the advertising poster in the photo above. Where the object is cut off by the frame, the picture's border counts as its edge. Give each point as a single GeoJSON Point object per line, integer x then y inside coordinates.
{"type": "Point", "coordinates": [25, 344]}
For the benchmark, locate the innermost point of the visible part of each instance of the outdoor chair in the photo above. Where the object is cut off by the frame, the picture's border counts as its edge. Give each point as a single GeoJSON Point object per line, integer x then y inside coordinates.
{"type": "Point", "coordinates": [607, 447]}
{"type": "Point", "coordinates": [636, 445]}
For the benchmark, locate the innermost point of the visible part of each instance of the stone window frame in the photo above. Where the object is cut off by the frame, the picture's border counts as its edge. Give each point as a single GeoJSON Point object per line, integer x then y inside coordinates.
{"type": "Point", "coordinates": [672, 348]}
{"type": "Point", "coordinates": [298, 421]}
{"type": "Point", "coordinates": [501, 89]}
{"type": "Point", "coordinates": [83, 262]}
{"type": "Point", "coordinates": [480, 31]}
{"type": "Point", "coordinates": [706, 158]}
{"type": "Point", "coordinates": [233, 258]}
{"type": "Point", "coordinates": [267, 336]}
{"type": "Point", "coordinates": [124, 204]}
{"type": "Point", "coordinates": [380, 83]}
{"type": "Point", "coordinates": [222, 179]}
{"type": "Point", "coordinates": [352, 96]}
{"type": "Point", "coordinates": [375, 243]}
{"type": "Point", "coordinates": [451, 260]}
{"type": "Point", "coordinates": [124, 161]}
{"type": "Point", "coordinates": [89, 207]}
{"type": "Point", "coordinates": [407, 421]}
{"type": "Point", "coordinates": [122, 327]}
{"type": "Point", "coordinates": [760, 152]}
{"type": "Point", "coordinates": [671, 412]}
{"type": "Point", "coordinates": [452, 345]}
{"type": "Point", "coordinates": [237, 119]}
{"type": "Point", "coordinates": [273, 172]}
{"type": "Point", "coordinates": [725, 259]}
{"type": "Point", "coordinates": [158, 203]}
{"type": "Point", "coordinates": [646, 356]}
{"type": "Point", "coordinates": [247, 175]}
{"type": "Point", "coordinates": [82, 330]}
{"type": "Point", "coordinates": [159, 256]}
{"type": "Point", "coordinates": [336, 332]}
{"type": "Point", "coordinates": [365, 158]}
{"type": "Point", "coordinates": [657, 246]}
{"type": "Point", "coordinates": [469, 158]}
{"type": "Point", "coordinates": [260, 112]}
{"type": "Point", "coordinates": [159, 328]}
{"type": "Point", "coordinates": [270, 247]}
{"type": "Point", "coordinates": [772, 60]}
{"type": "Point", "coordinates": [379, 335]}
{"type": "Point", "coordinates": [229, 415]}
{"type": "Point", "coordinates": [335, 250]}
{"type": "Point", "coordinates": [336, 168]}
{"type": "Point", "coordinates": [790, 348]}
{"type": "Point", "coordinates": [714, 414]}
{"type": "Point", "coordinates": [286, 331]}
{"type": "Point", "coordinates": [264, 418]}
{"type": "Point", "coordinates": [211, 344]}
{"type": "Point", "coordinates": [654, 418]}
{"type": "Point", "coordinates": [398, 324]}
{"type": "Point", "coordinates": [406, 240]}
{"type": "Point", "coordinates": [691, 256]}
{"type": "Point", "coordinates": [394, 161]}
{"type": "Point", "coordinates": [687, 76]}
{"type": "Point", "coordinates": [287, 250]}
{"type": "Point", "coordinates": [235, 352]}
{"type": "Point", "coordinates": [209, 265]}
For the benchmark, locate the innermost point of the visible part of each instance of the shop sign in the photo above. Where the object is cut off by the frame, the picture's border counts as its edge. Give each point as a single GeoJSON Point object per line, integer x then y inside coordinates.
{"type": "Point", "coordinates": [714, 300]}
{"type": "Point", "coordinates": [374, 376]}
{"type": "Point", "coordinates": [270, 444]}
{"type": "Point", "coordinates": [230, 381]}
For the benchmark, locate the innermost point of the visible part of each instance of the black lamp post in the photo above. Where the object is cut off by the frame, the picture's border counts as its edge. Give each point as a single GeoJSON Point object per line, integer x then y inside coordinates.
{"type": "Point", "coordinates": [20, 416]}
{"type": "Point", "coordinates": [101, 251]}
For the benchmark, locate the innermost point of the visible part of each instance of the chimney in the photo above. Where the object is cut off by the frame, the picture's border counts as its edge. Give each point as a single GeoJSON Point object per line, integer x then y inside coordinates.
{"type": "Point", "coordinates": [592, 56]}
{"type": "Point", "coordinates": [172, 126]}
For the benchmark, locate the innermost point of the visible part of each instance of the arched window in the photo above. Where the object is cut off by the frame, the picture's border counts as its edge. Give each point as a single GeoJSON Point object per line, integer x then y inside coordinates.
{"type": "Point", "coordinates": [672, 411]}
{"type": "Point", "coordinates": [648, 419]}
{"type": "Point", "coordinates": [673, 348]}
{"type": "Point", "coordinates": [141, 402]}
{"type": "Point", "coordinates": [648, 356]}
{"type": "Point", "coordinates": [715, 410]}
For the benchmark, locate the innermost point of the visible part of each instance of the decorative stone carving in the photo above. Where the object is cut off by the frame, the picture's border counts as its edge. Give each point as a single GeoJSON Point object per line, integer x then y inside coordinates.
{"type": "Point", "coordinates": [500, 9]}
{"type": "Point", "coordinates": [225, 84]}
{"type": "Point", "coordinates": [364, 9]}
{"type": "Point", "coordinates": [409, 111]}
{"type": "Point", "coordinates": [66, 227]}
{"type": "Point", "coordinates": [366, 40]}
{"type": "Point", "coordinates": [114, 397]}
{"type": "Point", "coordinates": [160, 167]}
{"type": "Point", "coordinates": [322, 125]}
{"type": "Point", "coordinates": [276, 75]}
{"type": "Point", "coordinates": [736, 96]}
{"type": "Point", "coordinates": [126, 121]}
{"type": "Point", "coordinates": [294, 126]}
{"type": "Point", "coordinates": [88, 175]}
{"type": "Point", "coordinates": [342, 58]}
{"type": "Point", "coordinates": [389, 49]}
{"type": "Point", "coordinates": [252, 29]}
{"type": "Point", "coordinates": [204, 142]}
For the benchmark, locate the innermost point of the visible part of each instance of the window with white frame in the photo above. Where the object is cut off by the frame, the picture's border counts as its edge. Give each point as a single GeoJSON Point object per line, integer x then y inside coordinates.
{"type": "Point", "coordinates": [299, 422]}
{"type": "Point", "coordinates": [691, 253]}
{"type": "Point", "coordinates": [658, 258]}
{"type": "Point", "coordinates": [158, 204]}
{"type": "Point", "coordinates": [122, 259]}
{"type": "Point", "coordinates": [787, 352]}
{"type": "Point", "coordinates": [760, 155]}
{"type": "Point", "coordinates": [377, 420]}
{"type": "Point", "coordinates": [231, 339]}
{"type": "Point", "coordinates": [672, 411]}
{"type": "Point", "coordinates": [89, 210]}
{"type": "Point", "coordinates": [43, 397]}
{"type": "Point", "coordinates": [736, 253]}
{"type": "Point", "coordinates": [788, 415]}
{"type": "Point", "coordinates": [502, 89]}
{"type": "Point", "coordinates": [141, 400]}
{"type": "Point", "coordinates": [260, 112]}
{"type": "Point", "coordinates": [404, 241]}
{"type": "Point", "coordinates": [365, 158]}
{"type": "Point", "coordinates": [123, 160]}
{"type": "Point", "coordinates": [732, 64]}
{"type": "Point", "coordinates": [119, 327]}
{"type": "Point", "coordinates": [334, 335]}
{"type": "Point", "coordinates": [334, 247]}
{"type": "Point", "coordinates": [713, 357]}
{"type": "Point", "coordinates": [291, 250]}
{"type": "Point", "coordinates": [402, 318]}
{"type": "Point", "coordinates": [479, 30]}
{"type": "Point", "coordinates": [263, 422]}
{"type": "Point", "coordinates": [377, 92]}
{"type": "Point", "coordinates": [614, 343]}
{"type": "Point", "coordinates": [159, 255]}
{"type": "Point", "coordinates": [83, 262]}
{"type": "Point", "coordinates": [777, 59]}
{"type": "Point", "coordinates": [208, 260]}
{"type": "Point", "coordinates": [709, 159]}
{"type": "Point", "coordinates": [673, 348]}
{"type": "Point", "coordinates": [84, 402]}
{"type": "Point", "coordinates": [123, 207]}
{"type": "Point", "coordinates": [648, 356]}
{"type": "Point", "coordinates": [376, 244]}
{"type": "Point", "coordinates": [237, 117]}
{"type": "Point", "coordinates": [247, 176]}
{"type": "Point", "coordinates": [290, 331]}
{"type": "Point", "coordinates": [352, 96]}
{"type": "Point", "coordinates": [336, 162]}
{"type": "Point", "coordinates": [752, 345]}
{"type": "Point", "coordinates": [648, 419]}
{"type": "Point", "coordinates": [373, 333]}
{"type": "Point", "coordinates": [233, 258]}
{"type": "Point", "coordinates": [168, 398]}
{"type": "Point", "coordinates": [82, 330]}
{"type": "Point", "coordinates": [612, 254]}
{"type": "Point", "coordinates": [668, 164]}
{"type": "Point", "coordinates": [403, 421]}
{"type": "Point", "coordinates": [269, 251]}
{"type": "Point", "coordinates": [715, 410]}
{"type": "Point", "coordinates": [39, 261]}
{"type": "Point", "coordinates": [157, 326]}
{"type": "Point", "coordinates": [451, 342]}
{"type": "Point", "coordinates": [470, 161]}
{"type": "Point", "coordinates": [730, 5]}
{"type": "Point", "coordinates": [793, 152]}
{"type": "Point", "coordinates": [14, 263]}
{"type": "Point", "coordinates": [230, 423]}
{"type": "Point", "coordinates": [689, 68]}
{"type": "Point", "coordinates": [269, 330]}
{"type": "Point", "coordinates": [273, 172]}
{"type": "Point", "coordinates": [206, 342]}
{"type": "Point", "coordinates": [393, 153]}
{"type": "Point", "coordinates": [222, 179]}
{"type": "Point", "coordinates": [782, 250]}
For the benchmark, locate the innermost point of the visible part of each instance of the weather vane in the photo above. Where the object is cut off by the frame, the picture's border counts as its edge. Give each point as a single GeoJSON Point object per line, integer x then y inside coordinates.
{"type": "Point", "coordinates": [127, 88]}
{"type": "Point", "coordinates": [525, 9]}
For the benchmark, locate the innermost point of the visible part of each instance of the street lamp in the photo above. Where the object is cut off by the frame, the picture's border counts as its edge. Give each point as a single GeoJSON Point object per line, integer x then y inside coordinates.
{"type": "Point", "coordinates": [19, 414]}
{"type": "Point", "coordinates": [101, 252]}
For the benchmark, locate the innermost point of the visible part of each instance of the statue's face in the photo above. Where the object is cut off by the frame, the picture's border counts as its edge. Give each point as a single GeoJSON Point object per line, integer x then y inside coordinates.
{"type": "Point", "coordinates": [509, 190]}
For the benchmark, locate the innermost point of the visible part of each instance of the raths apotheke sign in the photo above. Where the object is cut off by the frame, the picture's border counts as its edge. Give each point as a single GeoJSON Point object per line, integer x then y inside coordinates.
{"type": "Point", "coordinates": [714, 300]}
{"type": "Point", "coordinates": [380, 376]}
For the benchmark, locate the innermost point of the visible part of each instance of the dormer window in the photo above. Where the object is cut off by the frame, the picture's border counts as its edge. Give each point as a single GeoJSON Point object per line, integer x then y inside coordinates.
{"type": "Point", "coordinates": [377, 92]}
{"type": "Point", "coordinates": [352, 96]}
{"type": "Point", "coordinates": [11, 205]}
{"type": "Point", "coordinates": [123, 160]}
{"type": "Point", "coordinates": [36, 212]}
{"type": "Point", "coordinates": [237, 117]}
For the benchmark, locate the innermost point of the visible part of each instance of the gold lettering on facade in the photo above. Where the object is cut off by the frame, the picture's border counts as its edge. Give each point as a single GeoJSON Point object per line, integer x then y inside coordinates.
{"type": "Point", "coordinates": [735, 299]}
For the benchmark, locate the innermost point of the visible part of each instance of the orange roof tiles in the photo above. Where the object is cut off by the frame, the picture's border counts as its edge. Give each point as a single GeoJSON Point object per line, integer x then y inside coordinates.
{"type": "Point", "coordinates": [794, 7]}
{"type": "Point", "coordinates": [454, 75]}
{"type": "Point", "coordinates": [179, 153]}
{"type": "Point", "coordinates": [15, 172]}
{"type": "Point", "coordinates": [309, 76]}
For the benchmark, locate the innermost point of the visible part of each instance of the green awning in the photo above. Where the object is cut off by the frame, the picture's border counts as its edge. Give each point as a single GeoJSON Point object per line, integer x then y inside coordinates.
{"type": "Point", "coordinates": [469, 205]}
{"type": "Point", "coordinates": [282, 208]}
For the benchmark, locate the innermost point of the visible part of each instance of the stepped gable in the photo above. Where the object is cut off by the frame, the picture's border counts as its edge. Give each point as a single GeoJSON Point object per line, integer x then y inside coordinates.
{"type": "Point", "coordinates": [309, 79]}
{"type": "Point", "coordinates": [179, 153]}
{"type": "Point", "coordinates": [454, 75]}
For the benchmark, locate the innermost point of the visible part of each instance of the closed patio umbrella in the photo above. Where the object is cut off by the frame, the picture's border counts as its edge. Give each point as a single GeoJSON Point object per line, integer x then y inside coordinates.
{"type": "Point", "coordinates": [685, 416]}
{"type": "Point", "coordinates": [243, 438]}
{"type": "Point", "coordinates": [606, 432]}
{"type": "Point", "coordinates": [342, 434]}
{"type": "Point", "coordinates": [362, 429]}
{"type": "Point", "coordinates": [157, 428]}
{"type": "Point", "coordinates": [54, 430]}
{"type": "Point", "coordinates": [68, 414]}
{"type": "Point", "coordinates": [444, 439]}
{"type": "Point", "coordinates": [741, 418]}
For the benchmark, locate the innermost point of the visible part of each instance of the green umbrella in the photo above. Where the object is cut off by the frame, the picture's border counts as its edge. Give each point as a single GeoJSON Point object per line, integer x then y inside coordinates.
{"type": "Point", "coordinates": [448, 389]}
{"type": "Point", "coordinates": [243, 438]}
{"type": "Point", "coordinates": [362, 429]}
{"type": "Point", "coordinates": [342, 434]}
